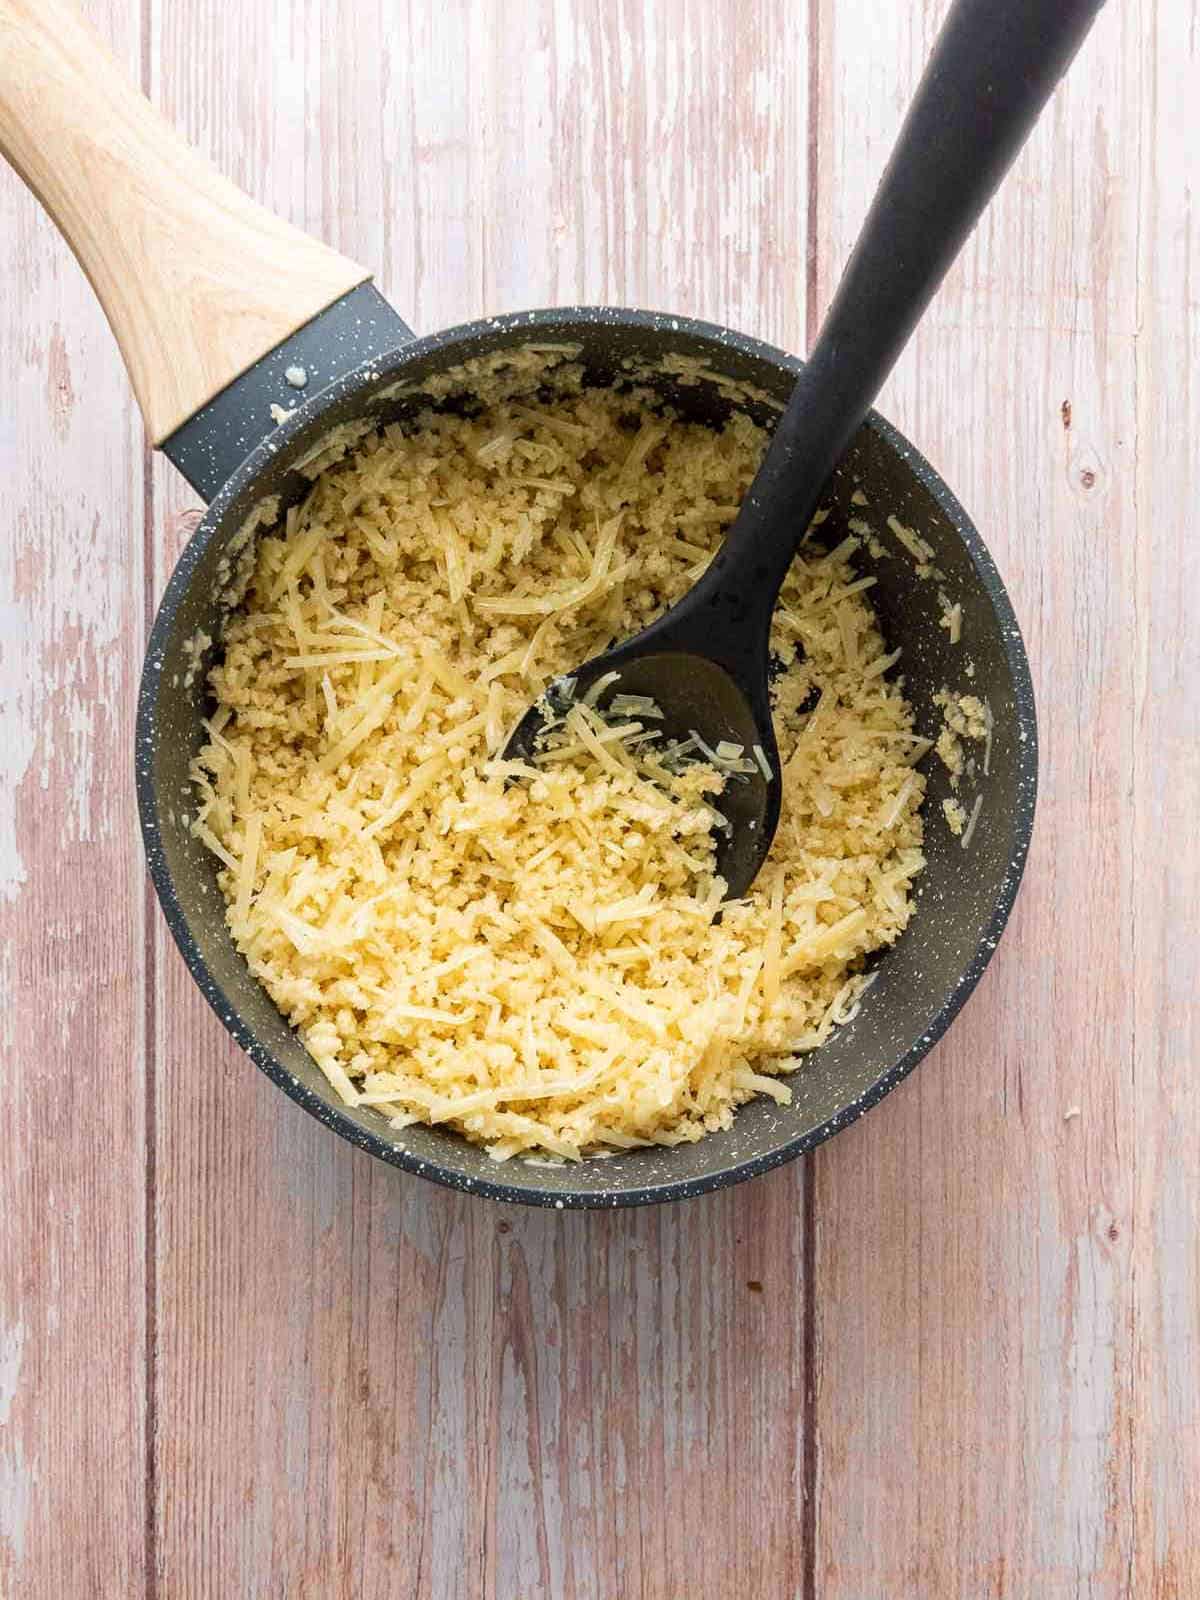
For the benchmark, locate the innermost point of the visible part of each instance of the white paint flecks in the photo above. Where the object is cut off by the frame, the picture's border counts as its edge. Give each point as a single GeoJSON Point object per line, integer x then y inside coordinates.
{"type": "Point", "coordinates": [14, 1477]}
{"type": "Point", "coordinates": [15, 1497]}
{"type": "Point", "coordinates": [62, 639]}
{"type": "Point", "coordinates": [17, 737]}
{"type": "Point", "coordinates": [12, 1344]}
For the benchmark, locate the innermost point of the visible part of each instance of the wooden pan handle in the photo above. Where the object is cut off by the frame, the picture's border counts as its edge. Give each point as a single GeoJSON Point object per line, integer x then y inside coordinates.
{"type": "Point", "coordinates": [197, 281]}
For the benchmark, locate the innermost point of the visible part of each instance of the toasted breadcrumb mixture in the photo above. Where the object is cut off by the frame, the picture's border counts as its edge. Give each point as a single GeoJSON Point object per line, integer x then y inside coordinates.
{"type": "Point", "coordinates": [539, 963]}
{"type": "Point", "coordinates": [956, 816]}
{"type": "Point", "coordinates": [965, 718]}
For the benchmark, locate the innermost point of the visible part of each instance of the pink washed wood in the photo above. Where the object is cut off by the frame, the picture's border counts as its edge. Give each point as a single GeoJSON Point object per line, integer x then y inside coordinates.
{"type": "Point", "coordinates": [1165, 1414]}
{"type": "Point", "coordinates": [72, 909]}
{"type": "Point", "coordinates": [359, 1385]}
{"type": "Point", "coordinates": [1006, 1282]}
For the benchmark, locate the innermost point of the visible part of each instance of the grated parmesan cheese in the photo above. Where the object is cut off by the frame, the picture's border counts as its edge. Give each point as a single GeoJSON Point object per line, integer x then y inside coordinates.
{"type": "Point", "coordinates": [539, 964]}
{"type": "Point", "coordinates": [951, 617]}
{"type": "Point", "coordinates": [917, 548]}
{"type": "Point", "coordinates": [969, 830]}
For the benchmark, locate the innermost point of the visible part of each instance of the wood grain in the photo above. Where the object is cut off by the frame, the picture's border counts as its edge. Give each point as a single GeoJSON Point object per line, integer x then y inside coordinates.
{"type": "Point", "coordinates": [72, 903]}
{"type": "Point", "coordinates": [196, 281]}
{"type": "Point", "coordinates": [365, 1385]}
{"type": "Point", "coordinates": [1164, 1422]}
{"type": "Point", "coordinates": [997, 1287]}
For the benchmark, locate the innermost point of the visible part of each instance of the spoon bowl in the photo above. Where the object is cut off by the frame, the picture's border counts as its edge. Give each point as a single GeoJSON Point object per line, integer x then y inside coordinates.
{"type": "Point", "coordinates": [700, 700]}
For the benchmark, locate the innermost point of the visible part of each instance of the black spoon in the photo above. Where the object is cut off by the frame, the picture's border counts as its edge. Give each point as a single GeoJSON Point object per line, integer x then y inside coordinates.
{"type": "Point", "coordinates": [705, 661]}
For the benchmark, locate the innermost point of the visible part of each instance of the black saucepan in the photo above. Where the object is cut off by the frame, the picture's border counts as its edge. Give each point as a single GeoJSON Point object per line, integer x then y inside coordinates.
{"type": "Point", "coordinates": [354, 355]}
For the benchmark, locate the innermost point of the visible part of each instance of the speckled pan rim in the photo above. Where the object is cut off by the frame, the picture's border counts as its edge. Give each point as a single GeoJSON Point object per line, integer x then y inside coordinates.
{"type": "Point", "coordinates": [332, 1116]}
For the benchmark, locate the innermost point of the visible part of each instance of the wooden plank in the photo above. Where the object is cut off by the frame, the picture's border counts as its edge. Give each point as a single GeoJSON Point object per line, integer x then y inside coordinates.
{"type": "Point", "coordinates": [977, 1237]}
{"type": "Point", "coordinates": [1165, 758]}
{"type": "Point", "coordinates": [366, 1385]}
{"type": "Point", "coordinates": [72, 1197]}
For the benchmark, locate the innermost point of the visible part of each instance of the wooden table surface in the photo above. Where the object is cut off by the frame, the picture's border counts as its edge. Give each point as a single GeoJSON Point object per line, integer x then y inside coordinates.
{"type": "Point", "coordinates": [238, 1359]}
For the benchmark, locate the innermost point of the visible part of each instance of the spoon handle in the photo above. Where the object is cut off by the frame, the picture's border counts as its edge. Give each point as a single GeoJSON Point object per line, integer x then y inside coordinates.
{"type": "Point", "coordinates": [994, 66]}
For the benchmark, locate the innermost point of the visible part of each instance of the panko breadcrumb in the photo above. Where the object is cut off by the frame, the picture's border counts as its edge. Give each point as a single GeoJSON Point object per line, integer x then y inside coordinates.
{"type": "Point", "coordinates": [539, 963]}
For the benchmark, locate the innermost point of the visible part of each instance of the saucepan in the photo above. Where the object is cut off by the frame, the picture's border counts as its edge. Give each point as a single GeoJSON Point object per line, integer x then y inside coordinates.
{"type": "Point", "coordinates": [246, 342]}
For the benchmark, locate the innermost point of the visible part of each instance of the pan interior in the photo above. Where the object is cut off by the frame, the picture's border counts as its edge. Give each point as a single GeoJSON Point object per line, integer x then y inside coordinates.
{"type": "Point", "coordinates": [962, 897]}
